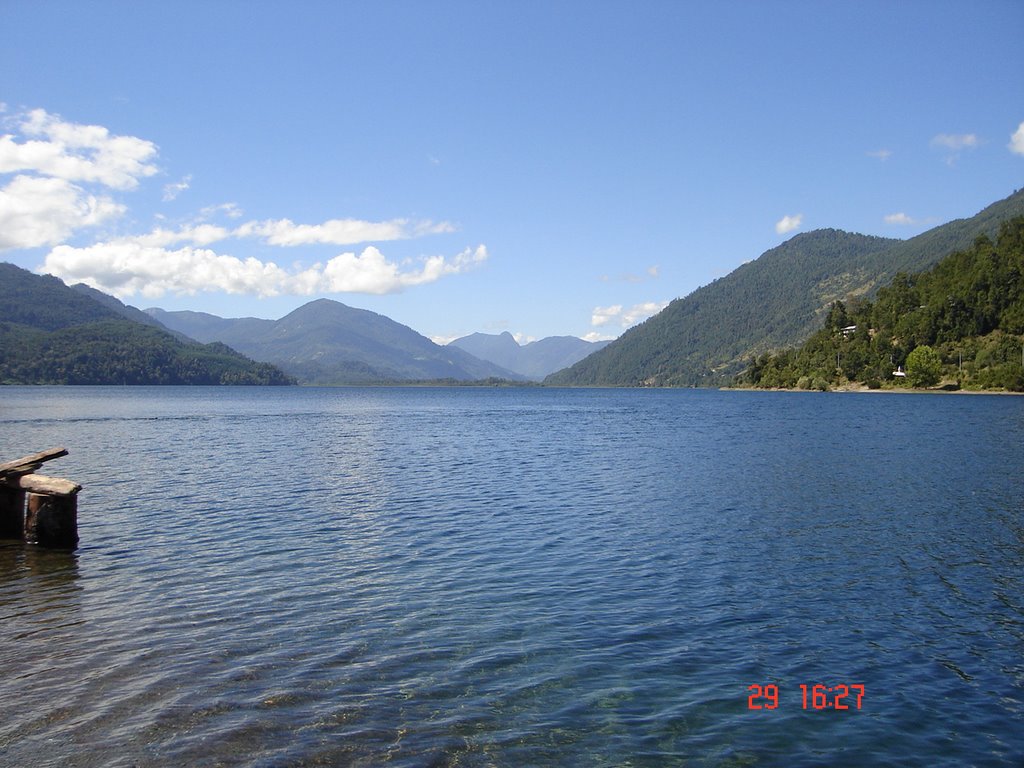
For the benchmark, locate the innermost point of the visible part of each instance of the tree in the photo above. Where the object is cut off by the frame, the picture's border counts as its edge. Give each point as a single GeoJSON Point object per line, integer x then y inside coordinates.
{"type": "Point", "coordinates": [924, 367]}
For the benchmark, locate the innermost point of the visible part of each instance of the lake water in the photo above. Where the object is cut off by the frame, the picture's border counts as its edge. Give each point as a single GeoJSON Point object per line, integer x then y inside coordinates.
{"type": "Point", "coordinates": [517, 577]}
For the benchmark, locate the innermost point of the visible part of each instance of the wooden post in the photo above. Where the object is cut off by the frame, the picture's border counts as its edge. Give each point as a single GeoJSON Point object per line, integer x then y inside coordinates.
{"type": "Point", "coordinates": [50, 518]}
{"type": "Point", "coordinates": [52, 521]}
{"type": "Point", "coordinates": [12, 513]}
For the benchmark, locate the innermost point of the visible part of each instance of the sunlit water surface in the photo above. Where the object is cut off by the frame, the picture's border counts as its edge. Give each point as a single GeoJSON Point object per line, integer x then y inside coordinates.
{"type": "Point", "coordinates": [478, 577]}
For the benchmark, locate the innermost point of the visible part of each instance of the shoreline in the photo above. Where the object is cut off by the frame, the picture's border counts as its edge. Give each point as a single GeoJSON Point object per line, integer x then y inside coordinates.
{"type": "Point", "coordinates": [862, 389]}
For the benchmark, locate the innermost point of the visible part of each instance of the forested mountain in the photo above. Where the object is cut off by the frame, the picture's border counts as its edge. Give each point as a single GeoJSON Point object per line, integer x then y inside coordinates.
{"type": "Point", "coordinates": [326, 342]}
{"type": "Point", "coordinates": [534, 360]}
{"type": "Point", "coordinates": [774, 302]}
{"type": "Point", "coordinates": [53, 334]}
{"type": "Point", "coordinates": [205, 327]}
{"type": "Point", "coordinates": [963, 320]}
{"type": "Point", "coordinates": [124, 310]}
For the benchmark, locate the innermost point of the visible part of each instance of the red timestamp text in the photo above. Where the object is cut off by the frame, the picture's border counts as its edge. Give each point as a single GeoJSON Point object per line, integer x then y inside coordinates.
{"type": "Point", "coordinates": [839, 697]}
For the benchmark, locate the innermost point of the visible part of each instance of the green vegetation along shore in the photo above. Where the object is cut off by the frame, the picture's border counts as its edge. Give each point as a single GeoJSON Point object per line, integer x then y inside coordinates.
{"type": "Point", "coordinates": [959, 325]}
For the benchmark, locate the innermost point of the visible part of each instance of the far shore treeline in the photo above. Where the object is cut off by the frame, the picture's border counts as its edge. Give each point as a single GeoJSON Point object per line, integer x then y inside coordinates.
{"type": "Point", "coordinates": [960, 323]}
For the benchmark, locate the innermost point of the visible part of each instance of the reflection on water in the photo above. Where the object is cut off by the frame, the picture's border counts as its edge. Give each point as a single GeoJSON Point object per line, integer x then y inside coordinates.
{"type": "Point", "coordinates": [516, 577]}
{"type": "Point", "coordinates": [49, 574]}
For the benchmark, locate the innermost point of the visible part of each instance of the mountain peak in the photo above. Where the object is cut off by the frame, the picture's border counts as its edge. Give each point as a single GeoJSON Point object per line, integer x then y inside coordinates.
{"type": "Point", "coordinates": [534, 360]}
{"type": "Point", "coordinates": [327, 342]}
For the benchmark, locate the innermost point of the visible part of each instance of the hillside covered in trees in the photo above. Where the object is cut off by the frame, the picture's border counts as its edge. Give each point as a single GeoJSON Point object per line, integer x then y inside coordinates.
{"type": "Point", "coordinates": [961, 322]}
{"type": "Point", "coordinates": [53, 334]}
{"type": "Point", "coordinates": [775, 301]}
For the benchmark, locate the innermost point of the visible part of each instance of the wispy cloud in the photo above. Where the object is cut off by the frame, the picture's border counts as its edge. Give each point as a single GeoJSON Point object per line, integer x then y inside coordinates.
{"type": "Point", "coordinates": [625, 316]}
{"type": "Point", "coordinates": [286, 233]}
{"type": "Point", "coordinates": [955, 141]}
{"type": "Point", "coordinates": [339, 231]}
{"type": "Point", "coordinates": [1016, 144]}
{"type": "Point", "coordinates": [954, 144]}
{"type": "Point", "coordinates": [900, 219]}
{"type": "Point", "coordinates": [604, 315]}
{"type": "Point", "coordinates": [880, 154]}
{"type": "Point", "coordinates": [171, 191]}
{"type": "Point", "coordinates": [789, 223]}
{"type": "Point", "coordinates": [231, 210]}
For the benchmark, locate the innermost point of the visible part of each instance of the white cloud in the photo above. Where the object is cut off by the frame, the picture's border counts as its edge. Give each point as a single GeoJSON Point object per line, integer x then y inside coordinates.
{"type": "Point", "coordinates": [899, 218]}
{"type": "Point", "coordinates": [282, 232]}
{"type": "Point", "coordinates": [44, 211]}
{"type": "Point", "coordinates": [1016, 144]}
{"type": "Point", "coordinates": [880, 154]}
{"type": "Point", "coordinates": [171, 191]}
{"type": "Point", "coordinates": [47, 202]}
{"type": "Point", "coordinates": [522, 339]}
{"type": "Point", "coordinates": [640, 312]}
{"type": "Point", "coordinates": [955, 141]}
{"type": "Point", "coordinates": [231, 210]}
{"type": "Point", "coordinates": [953, 144]}
{"type": "Point", "coordinates": [198, 234]}
{"type": "Point", "coordinates": [82, 153]}
{"type": "Point", "coordinates": [339, 231]}
{"type": "Point", "coordinates": [595, 336]}
{"type": "Point", "coordinates": [626, 317]}
{"type": "Point", "coordinates": [127, 267]}
{"type": "Point", "coordinates": [59, 177]}
{"type": "Point", "coordinates": [788, 223]}
{"type": "Point", "coordinates": [604, 315]}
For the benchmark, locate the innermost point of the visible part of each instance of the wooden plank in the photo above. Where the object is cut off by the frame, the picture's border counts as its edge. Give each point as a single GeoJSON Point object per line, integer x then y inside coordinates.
{"type": "Point", "coordinates": [35, 458]}
{"type": "Point", "coordinates": [54, 486]}
{"type": "Point", "coordinates": [24, 469]}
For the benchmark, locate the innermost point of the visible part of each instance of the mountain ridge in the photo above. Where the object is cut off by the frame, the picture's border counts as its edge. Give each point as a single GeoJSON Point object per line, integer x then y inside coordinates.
{"type": "Point", "coordinates": [327, 342]}
{"type": "Point", "coordinates": [774, 301]}
{"type": "Point", "coordinates": [534, 360]}
{"type": "Point", "coordinates": [51, 333]}
{"type": "Point", "coordinates": [962, 320]}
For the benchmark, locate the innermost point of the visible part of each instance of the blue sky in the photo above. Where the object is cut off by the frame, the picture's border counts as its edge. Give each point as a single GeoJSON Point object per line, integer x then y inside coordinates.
{"type": "Point", "coordinates": [546, 168]}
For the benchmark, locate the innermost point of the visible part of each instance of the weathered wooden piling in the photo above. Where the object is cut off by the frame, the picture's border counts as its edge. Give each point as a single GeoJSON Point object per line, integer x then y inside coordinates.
{"type": "Point", "coordinates": [12, 513]}
{"type": "Point", "coordinates": [50, 516]}
{"type": "Point", "coordinates": [52, 521]}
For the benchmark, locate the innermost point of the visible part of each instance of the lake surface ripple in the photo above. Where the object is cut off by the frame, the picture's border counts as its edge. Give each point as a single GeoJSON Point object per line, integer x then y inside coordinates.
{"type": "Point", "coordinates": [517, 577]}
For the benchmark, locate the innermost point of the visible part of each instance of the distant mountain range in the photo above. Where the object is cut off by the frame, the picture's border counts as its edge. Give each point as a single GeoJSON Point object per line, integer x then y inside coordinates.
{"type": "Point", "coordinates": [53, 334]}
{"type": "Point", "coordinates": [326, 342]}
{"type": "Point", "coordinates": [534, 360]}
{"type": "Point", "coordinates": [776, 301]}
{"type": "Point", "coordinates": [50, 333]}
